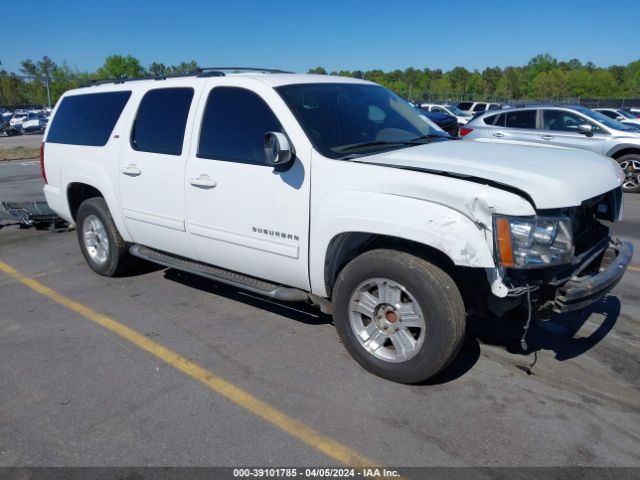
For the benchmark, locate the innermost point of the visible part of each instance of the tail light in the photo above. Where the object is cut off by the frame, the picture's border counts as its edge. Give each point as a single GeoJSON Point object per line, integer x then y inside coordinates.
{"type": "Point", "coordinates": [44, 174]}
{"type": "Point", "coordinates": [465, 131]}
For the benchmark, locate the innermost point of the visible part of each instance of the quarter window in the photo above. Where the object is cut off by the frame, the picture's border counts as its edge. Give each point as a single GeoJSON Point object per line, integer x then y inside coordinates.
{"type": "Point", "coordinates": [161, 121]}
{"type": "Point", "coordinates": [233, 126]}
{"type": "Point", "coordinates": [521, 119]}
{"type": "Point", "coordinates": [87, 119]}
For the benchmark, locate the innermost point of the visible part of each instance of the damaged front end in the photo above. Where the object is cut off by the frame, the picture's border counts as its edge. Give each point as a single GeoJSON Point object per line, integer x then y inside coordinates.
{"type": "Point", "coordinates": [563, 259]}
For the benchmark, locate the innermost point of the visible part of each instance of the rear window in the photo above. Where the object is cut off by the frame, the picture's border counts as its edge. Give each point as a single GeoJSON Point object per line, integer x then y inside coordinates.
{"type": "Point", "coordinates": [87, 119]}
{"type": "Point", "coordinates": [522, 119]}
{"type": "Point", "coordinates": [161, 121]}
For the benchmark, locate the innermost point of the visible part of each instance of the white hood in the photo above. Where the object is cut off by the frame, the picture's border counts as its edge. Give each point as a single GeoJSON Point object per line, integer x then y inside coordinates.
{"type": "Point", "coordinates": [553, 177]}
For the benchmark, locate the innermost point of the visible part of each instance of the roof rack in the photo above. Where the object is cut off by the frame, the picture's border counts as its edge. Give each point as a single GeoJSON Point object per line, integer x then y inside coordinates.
{"type": "Point", "coordinates": [199, 72]}
{"type": "Point", "coordinates": [220, 71]}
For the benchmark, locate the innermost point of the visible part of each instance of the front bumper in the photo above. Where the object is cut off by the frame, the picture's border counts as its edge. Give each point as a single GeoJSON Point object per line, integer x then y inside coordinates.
{"type": "Point", "coordinates": [581, 291]}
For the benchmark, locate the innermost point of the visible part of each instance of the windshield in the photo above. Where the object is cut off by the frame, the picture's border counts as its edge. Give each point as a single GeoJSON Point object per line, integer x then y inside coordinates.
{"type": "Point", "coordinates": [603, 119]}
{"type": "Point", "coordinates": [355, 118]}
{"type": "Point", "coordinates": [455, 110]}
{"type": "Point", "coordinates": [624, 113]}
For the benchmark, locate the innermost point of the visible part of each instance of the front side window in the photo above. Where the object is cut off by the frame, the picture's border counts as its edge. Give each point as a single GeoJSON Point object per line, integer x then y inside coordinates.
{"type": "Point", "coordinates": [521, 119]}
{"type": "Point", "coordinates": [337, 118]}
{"type": "Point", "coordinates": [233, 126]}
{"type": "Point", "coordinates": [561, 121]}
{"type": "Point", "coordinates": [87, 119]}
{"type": "Point", "coordinates": [480, 107]}
{"type": "Point", "coordinates": [161, 121]}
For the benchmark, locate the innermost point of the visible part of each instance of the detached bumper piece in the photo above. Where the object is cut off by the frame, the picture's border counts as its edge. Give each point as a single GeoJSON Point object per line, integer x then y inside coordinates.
{"type": "Point", "coordinates": [30, 214]}
{"type": "Point", "coordinates": [580, 292]}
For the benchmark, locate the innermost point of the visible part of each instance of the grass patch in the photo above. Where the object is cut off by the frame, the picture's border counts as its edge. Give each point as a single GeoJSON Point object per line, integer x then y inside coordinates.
{"type": "Point", "coordinates": [18, 153]}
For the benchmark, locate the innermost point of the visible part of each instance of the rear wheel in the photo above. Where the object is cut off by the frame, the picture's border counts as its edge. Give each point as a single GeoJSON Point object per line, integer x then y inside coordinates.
{"type": "Point", "coordinates": [102, 246]}
{"type": "Point", "coordinates": [399, 316]}
{"type": "Point", "coordinates": [631, 165]}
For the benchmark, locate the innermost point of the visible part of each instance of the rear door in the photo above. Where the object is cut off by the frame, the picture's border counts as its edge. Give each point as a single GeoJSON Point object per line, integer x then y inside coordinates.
{"type": "Point", "coordinates": [242, 214]}
{"type": "Point", "coordinates": [560, 127]}
{"type": "Point", "coordinates": [517, 125]}
{"type": "Point", "coordinates": [152, 165]}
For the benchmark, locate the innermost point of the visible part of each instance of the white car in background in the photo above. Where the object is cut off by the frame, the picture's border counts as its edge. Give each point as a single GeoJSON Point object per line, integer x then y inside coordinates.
{"type": "Point", "coordinates": [17, 120]}
{"type": "Point", "coordinates": [473, 108]}
{"type": "Point", "coordinates": [452, 110]}
{"type": "Point", "coordinates": [619, 115]}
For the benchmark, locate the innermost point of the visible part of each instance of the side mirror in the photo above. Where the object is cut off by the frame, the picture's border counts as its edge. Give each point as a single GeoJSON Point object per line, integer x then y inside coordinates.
{"type": "Point", "coordinates": [586, 129]}
{"type": "Point", "coordinates": [277, 149]}
{"type": "Point", "coordinates": [620, 118]}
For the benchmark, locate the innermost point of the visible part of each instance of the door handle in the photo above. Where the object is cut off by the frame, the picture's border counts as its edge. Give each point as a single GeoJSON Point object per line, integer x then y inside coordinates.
{"type": "Point", "coordinates": [203, 181]}
{"type": "Point", "coordinates": [131, 170]}
{"type": "Point", "coordinates": [547, 137]}
{"type": "Point", "coordinates": [498, 135]}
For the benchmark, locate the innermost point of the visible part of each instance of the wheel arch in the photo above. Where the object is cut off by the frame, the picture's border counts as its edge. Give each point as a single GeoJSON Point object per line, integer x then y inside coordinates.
{"type": "Point", "coordinates": [438, 233]}
{"type": "Point", "coordinates": [618, 152]}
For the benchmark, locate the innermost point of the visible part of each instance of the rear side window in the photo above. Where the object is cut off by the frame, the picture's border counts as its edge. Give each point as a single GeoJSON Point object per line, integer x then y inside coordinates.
{"type": "Point", "coordinates": [465, 105]}
{"type": "Point", "coordinates": [87, 119]}
{"type": "Point", "coordinates": [522, 119]}
{"type": "Point", "coordinates": [161, 121]}
{"type": "Point", "coordinates": [233, 126]}
{"type": "Point", "coordinates": [497, 120]}
{"type": "Point", "coordinates": [480, 107]}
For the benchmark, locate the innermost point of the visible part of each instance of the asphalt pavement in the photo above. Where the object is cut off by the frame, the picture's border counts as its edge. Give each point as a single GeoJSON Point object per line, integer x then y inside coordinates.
{"type": "Point", "coordinates": [76, 393]}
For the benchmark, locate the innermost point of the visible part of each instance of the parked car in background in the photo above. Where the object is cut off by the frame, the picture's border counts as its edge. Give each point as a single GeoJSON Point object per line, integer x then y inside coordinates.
{"type": "Point", "coordinates": [620, 115]}
{"type": "Point", "coordinates": [10, 130]}
{"type": "Point", "coordinates": [446, 122]}
{"type": "Point", "coordinates": [34, 123]}
{"type": "Point", "coordinates": [633, 111]}
{"type": "Point", "coordinates": [452, 110]}
{"type": "Point", "coordinates": [472, 108]}
{"type": "Point", "coordinates": [565, 126]}
{"type": "Point", "coordinates": [17, 119]}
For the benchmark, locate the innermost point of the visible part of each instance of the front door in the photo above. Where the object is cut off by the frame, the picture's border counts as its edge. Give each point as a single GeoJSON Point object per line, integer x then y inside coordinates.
{"type": "Point", "coordinates": [242, 214]}
{"type": "Point", "coordinates": [560, 127]}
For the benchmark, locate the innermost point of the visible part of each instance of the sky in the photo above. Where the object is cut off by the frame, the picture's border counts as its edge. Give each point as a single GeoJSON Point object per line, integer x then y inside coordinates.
{"type": "Point", "coordinates": [338, 35]}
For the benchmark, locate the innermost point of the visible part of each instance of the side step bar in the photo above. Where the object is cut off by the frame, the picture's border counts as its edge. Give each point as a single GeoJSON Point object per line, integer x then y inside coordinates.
{"type": "Point", "coordinates": [252, 284]}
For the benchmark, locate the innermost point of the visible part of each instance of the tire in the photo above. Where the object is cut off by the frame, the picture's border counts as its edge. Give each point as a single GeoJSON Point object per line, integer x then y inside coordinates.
{"type": "Point", "coordinates": [631, 165]}
{"type": "Point", "coordinates": [109, 255]}
{"type": "Point", "coordinates": [394, 275]}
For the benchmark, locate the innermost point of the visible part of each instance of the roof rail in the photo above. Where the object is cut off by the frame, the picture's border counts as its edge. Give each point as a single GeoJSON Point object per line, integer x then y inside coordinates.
{"type": "Point", "coordinates": [220, 71]}
{"type": "Point", "coordinates": [199, 72]}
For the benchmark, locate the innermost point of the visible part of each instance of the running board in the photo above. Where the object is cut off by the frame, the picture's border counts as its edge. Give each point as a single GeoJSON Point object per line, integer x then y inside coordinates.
{"type": "Point", "coordinates": [244, 282]}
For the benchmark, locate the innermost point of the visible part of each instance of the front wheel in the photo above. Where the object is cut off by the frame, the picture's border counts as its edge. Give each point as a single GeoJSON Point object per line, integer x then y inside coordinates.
{"type": "Point", "coordinates": [399, 316]}
{"type": "Point", "coordinates": [631, 165]}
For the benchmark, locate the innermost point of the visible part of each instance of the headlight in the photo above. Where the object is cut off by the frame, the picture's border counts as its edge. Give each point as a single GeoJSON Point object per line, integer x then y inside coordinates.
{"type": "Point", "coordinates": [532, 242]}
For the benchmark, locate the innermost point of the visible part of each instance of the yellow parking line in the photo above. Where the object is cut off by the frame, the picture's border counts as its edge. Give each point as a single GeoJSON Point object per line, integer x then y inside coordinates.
{"type": "Point", "coordinates": [633, 268]}
{"type": "Point", "coordinates": [240, 397]}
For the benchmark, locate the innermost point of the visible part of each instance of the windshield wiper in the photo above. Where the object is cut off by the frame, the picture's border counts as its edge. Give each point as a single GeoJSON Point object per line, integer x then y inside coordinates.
{"type": "Point", "coordinates": [428, 136]}
{"type": "Point", "coordinates": [355, 146]}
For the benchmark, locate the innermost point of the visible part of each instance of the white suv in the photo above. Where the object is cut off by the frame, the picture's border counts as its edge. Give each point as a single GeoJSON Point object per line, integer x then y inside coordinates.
{"type": "Point", "coordinates": [333, 191]}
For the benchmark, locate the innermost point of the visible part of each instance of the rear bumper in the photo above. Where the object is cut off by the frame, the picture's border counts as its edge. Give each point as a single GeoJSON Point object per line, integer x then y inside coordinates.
{"type": "Point", "coordinates": [581, 291]}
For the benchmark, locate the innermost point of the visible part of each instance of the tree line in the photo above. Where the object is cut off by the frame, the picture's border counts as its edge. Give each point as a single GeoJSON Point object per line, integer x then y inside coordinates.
{"type": "Point", "coordinates": [542, 78]}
